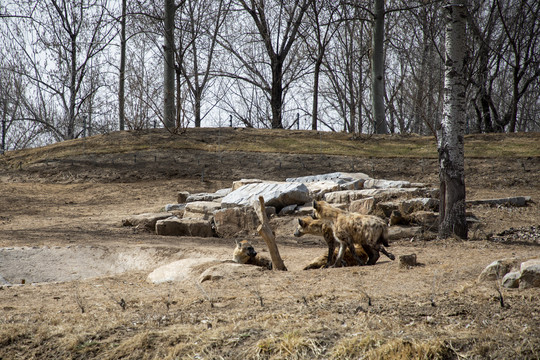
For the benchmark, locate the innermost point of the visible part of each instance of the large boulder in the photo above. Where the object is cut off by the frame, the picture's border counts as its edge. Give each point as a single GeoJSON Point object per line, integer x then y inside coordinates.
{"type": "Point", "coordinates": [181, 270]}
{"type": "Point", "coordinates": [146, 221]}
{"type": "Point", "coordinates": [174, 226]}
{"type": "Point", "coordinates": [231, 221]}
{"type": "Point", "coordinates": [498, 269]}
{"type": "Point", "coordinates": [277, 195]}
{"type": "Point", "coordinates": [530, 274]}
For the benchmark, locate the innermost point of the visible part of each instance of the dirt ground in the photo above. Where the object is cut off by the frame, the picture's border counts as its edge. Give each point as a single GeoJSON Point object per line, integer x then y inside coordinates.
{"type": "Point", "coordinates": [86, 295]}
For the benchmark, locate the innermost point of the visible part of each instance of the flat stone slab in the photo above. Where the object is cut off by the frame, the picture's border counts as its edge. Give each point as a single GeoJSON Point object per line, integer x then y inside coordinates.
{"type": "Point", "coordinates": [337, 177]}
{"type": "Point", "coordinates": [201, 209]}
{"type": "Point", "coordinates": [146, 221]}
{"type": "Point", "coordinates": [174, 226]}
{"type": "Point", "coordinates": [277, 195]}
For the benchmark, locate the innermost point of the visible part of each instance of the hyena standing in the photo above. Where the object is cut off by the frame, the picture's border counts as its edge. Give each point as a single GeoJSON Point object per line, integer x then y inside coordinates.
{"type": "Point", "coordinates": [349, 228]}
{"type": "Point", "coordinates": [308, 225]}
{"type": "Point", "coordinates": [244, 253]}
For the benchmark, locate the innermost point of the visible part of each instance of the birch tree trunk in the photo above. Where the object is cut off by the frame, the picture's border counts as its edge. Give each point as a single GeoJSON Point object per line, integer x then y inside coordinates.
{"type": "Point", "coordinates": [450, 140]}
{"type": "Point", "coordinates": [169, 109]}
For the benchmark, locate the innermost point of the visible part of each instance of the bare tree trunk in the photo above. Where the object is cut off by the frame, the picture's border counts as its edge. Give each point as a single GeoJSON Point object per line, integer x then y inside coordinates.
{"type": "Point", "coordinates": [451, 138]}
{"type": "Point", "coordinates": [169, 110]}
{"type": "Point", "coordinates": [122, 77]}
{"type": "Point", "coordinates": [377, 69]}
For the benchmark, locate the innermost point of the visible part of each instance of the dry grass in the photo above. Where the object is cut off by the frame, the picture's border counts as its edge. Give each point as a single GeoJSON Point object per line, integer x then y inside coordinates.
{"type": "Point", "coordinates": [433, 311]}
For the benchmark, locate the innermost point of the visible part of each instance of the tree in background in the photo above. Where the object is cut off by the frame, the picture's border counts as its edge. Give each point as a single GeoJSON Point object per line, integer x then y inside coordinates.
{"type": "Point", "coordinates": [451, 138]}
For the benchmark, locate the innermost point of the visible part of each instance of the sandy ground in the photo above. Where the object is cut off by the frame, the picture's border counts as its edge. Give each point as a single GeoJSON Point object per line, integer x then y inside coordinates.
{"type": "Point", "coordinates": [86, 293]}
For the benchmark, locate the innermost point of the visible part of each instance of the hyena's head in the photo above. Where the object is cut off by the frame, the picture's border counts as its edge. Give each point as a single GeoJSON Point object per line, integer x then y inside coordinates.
{"type": "Point", "coordinates": [308, 225]}
{"type": "Point", "coordinates": [243, 252]}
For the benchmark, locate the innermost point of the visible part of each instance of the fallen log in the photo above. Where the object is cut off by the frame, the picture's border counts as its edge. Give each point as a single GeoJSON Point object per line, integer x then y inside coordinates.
{"type": "Point", "coordinates": [267, 234]}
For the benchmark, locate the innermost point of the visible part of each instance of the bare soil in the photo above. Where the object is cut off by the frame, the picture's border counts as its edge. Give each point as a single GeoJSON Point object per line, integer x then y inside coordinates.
{"type": "Point", "coordinates": [86, 295]}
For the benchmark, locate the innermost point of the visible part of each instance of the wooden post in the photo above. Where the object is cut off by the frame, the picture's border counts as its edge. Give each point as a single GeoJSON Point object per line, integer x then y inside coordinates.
{"type": "Point", "coordinates": [268, 235]}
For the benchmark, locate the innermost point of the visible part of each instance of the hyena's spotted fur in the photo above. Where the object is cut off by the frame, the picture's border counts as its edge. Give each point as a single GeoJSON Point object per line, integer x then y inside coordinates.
{"type": "Point", "coordinates": [348, 228]}
{"type": "Point", "coordinates": [308, 225]}
{"type": "Point", "coordinates": [244, 253]}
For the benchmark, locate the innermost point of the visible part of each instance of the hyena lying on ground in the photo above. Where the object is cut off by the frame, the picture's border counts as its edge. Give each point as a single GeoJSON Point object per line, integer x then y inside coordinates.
{"type": "Point", "coordinates": [244, 253]}
{"type": "Point", "coordinates": [308, 225]}
{"type": "Point", "coordinates": [350, 228]}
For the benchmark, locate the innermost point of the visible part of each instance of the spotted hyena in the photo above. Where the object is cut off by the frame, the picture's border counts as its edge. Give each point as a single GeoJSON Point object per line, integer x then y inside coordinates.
{"type": "Point", "coordinates": [348, 228]}
{"type": "Point", "coordinates": [308, 225]}
{"type": "Point", "coordinates": [244, 253]}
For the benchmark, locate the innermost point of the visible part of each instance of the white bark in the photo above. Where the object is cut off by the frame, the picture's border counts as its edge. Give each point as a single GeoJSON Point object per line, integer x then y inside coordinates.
{"type": "Point", "coordinates": [451, 136]}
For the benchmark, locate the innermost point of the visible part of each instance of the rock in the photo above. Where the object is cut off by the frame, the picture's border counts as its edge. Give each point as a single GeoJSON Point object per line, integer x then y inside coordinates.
{"type": "Point", "coordinates": [407, 261]}
{"type": "Point", "coordinates": [304, 210]}
{"type": "Point", "coordinates": [182, 196]}
{"type": "Point", "coordinates": [530, 274]}
{"type": "Point", "coordinates": [175, 207]}
{"type": "Point", "coordinates": [497, 269]}
{"type": "Point", "coordinates": [278, 195]}
{"type": "Point", "coordinates": [352, 185]}
{"type": "Point", "coordinates": [238, 184]}
{"type": "Point", "coordinates": [400, 232]}
{"type": "Point", "coordinates": [416, 204]}
{"type": "Point", "coordinates": [232, 221]}
{"type": "Point", "coordinates": [181, 270]}
{"type": "Point", "coordinates": [146, 221]}
{"type": "Point", "coordinates": [174, 226]}
{"type": "Point", "coordinates": [510, 201]}
{"type": "Point", "coordinates": [427, 219]}
{"type": "Point", "coordinates": [363, 206]}
{"type": "Point", "coordinates": [228, 269]}
{"type": "Point", "coordinates": [379, 194]}
{"type": "Point", "coordinates": [386, 207]}
{"type": "Point", "coordinates": [287, 210]}
{"type": "Point", "coordinates": [203, 197]}
{"type": "Point", "coordinates": [385, 184]}
{"type": "Point", "coordinates": [319, 188]}
{"type": "Point", "coordinates": [511, 280]}
{"type": "Point", "coordinates": [201, 210]}
{"type": "Point", "coordinates": [337, 177]}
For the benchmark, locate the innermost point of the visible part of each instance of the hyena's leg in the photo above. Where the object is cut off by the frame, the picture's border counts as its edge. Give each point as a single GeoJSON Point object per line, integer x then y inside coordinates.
{"type": "Point", "coordinates": [389, 255]}
{"type": "Point", "coordinates": [341, 253]}
{"type": "Point", "coordinates": [331, 243]}
{"type": "Point", "coordinates": [373, 254]}
{"type": "Point", "coordinates": [352, 249]}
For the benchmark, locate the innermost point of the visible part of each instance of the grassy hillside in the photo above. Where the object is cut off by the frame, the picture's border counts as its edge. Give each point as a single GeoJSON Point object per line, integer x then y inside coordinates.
{"type": "Point", "coordinates": [520, 145]}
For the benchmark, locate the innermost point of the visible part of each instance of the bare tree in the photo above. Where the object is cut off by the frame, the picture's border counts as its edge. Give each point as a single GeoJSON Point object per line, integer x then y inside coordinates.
{"type": "Point", "coordinates": [169, 108]}
{"type": "Point", "coordinates": [63, 41]}
{"type": "Point", "coordinates": [199, 27]}
{"type": "Point", "coordinates": [377, 68]}
{"type": "Point", "coordinates": [451, 138]}
{"type": "Point", "coordinates": [277, 26]}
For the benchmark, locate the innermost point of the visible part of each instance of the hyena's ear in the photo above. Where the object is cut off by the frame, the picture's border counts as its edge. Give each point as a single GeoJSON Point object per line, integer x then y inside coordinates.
{"type": "Point", "coordinates": [237, 242]}
{"type": "Point", "coordinates": [316, 205]}
{"type": "Point", "coordinates": [301, 222]}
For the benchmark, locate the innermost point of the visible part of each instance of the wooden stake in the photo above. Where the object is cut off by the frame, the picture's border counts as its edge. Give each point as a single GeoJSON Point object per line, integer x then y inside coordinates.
{"type": "Point", "coordinates": [267, 234]}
